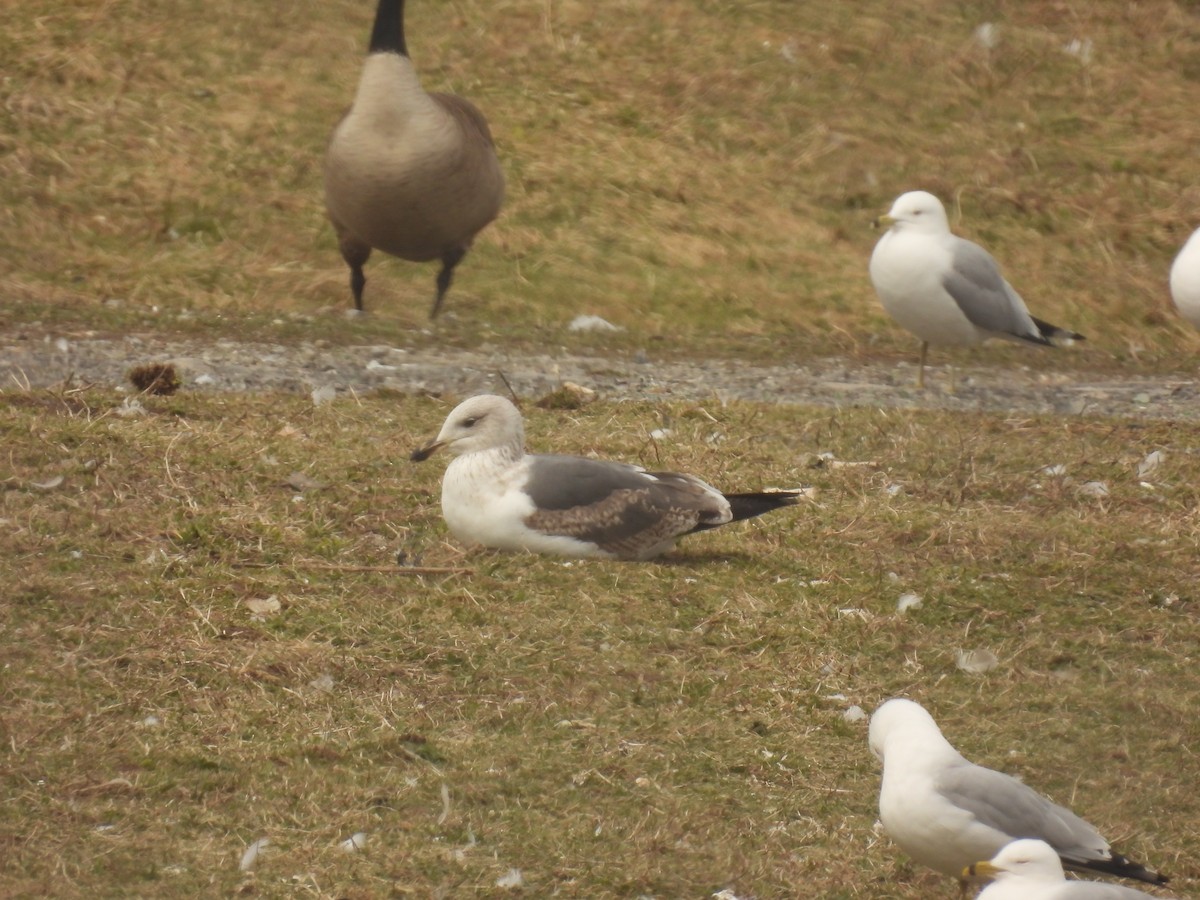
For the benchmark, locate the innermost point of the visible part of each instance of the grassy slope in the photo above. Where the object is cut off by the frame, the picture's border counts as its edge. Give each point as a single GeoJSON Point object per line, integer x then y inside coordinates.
{"type": "Point", "coordinates": [700, 171]}
{"type": "Point", "coordinates": [610, 730]}
{"type": "Point", "coordinates": [694, 171]}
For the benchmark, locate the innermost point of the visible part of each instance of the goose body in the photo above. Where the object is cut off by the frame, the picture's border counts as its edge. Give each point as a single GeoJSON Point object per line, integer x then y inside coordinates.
{"type": "Point", "coordinates": [411, 173]}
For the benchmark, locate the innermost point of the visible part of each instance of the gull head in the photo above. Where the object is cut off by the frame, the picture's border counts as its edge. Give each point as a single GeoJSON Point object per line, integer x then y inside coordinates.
{"type": "Point", "coordinates": [917, 211]}
{"type": "Point", "coordinates": [486, 422]}
{"type": "Point", "coordinates": [898, 719]}
{"type": "Point", "coordinates": [1025, 859]}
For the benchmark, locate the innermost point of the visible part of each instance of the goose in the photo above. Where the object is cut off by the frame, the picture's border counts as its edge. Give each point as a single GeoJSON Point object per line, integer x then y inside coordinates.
{"type": "Point", "coordinates": [944, 288]}
{"type": "Point", "coordinates": [411, 173]}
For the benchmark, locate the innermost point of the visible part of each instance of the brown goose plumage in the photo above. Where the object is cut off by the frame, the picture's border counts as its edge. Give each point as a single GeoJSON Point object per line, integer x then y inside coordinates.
{"type": "Point", "coordinates": [411, 173]}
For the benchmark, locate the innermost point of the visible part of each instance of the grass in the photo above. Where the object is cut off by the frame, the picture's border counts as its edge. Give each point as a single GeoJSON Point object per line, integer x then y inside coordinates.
{"type": "Point", "coordinates": [698, 172]}
{"type": "Point", "coordinates": [623, 730]}
{"type": "Point", "coordinates": [704, 175]}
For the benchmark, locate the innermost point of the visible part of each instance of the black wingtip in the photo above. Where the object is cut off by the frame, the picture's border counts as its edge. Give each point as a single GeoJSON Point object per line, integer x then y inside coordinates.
{"type": "Point", "coordinates": [1120, 866]}
{"type": "Point", "coordinates": [388, 34]}
{"type": "Point", "coordinates": [1054, 333]}
{"type": "Point", "coordinates": [747, 506]}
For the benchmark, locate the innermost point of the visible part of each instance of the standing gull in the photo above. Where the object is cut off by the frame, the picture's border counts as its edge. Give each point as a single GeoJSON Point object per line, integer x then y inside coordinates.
{"type": "Point", "coordinates": [1031, 870]}
{"type": "Point", "coordinates": [945, 289]}
{"type": "Point", "coordinates": [407, 172]}
{"type": "Point", "coordinates": [1185, 280]}
{"type": "Point", "coordinates": [948, 813]}
{"type": "Point", "coordinates": [497, 495]}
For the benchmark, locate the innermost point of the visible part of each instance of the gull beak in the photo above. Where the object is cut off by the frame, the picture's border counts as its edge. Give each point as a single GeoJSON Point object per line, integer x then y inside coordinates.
{"type": "Point", "coordinates": [423, 453]}
{"type": "Point", "coordinates": [980, 871]}
{"type": "Point", "coordinates": [884, 221]}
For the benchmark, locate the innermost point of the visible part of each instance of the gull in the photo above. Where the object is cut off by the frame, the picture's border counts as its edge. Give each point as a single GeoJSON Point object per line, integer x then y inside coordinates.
{"type": "Point", "coordinates": [1185, 280]}
{"type": "Point", "coordinates": [946, 289]}
{"type": "Point", "coordinates": [947, 813]}
{"type": "Point", "coordinates": [497, 495]}
{"type": "Point", "coordinates": [1029, 869]}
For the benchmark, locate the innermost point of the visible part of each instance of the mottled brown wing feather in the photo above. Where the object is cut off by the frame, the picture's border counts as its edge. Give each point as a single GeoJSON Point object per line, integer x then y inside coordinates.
{"type": "Point", "coordinates": [625, 523]}
{"type": "Point", "coordinates": [617, 507]}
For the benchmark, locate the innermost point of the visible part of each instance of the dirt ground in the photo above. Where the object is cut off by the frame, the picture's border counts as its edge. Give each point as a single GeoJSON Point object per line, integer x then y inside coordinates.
{"type": "Point", "coordinates": [225, 365]}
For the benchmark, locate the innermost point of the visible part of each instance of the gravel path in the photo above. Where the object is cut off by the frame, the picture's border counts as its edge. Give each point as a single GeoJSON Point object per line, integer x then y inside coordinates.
{"type": "Point", "coordinates": [227, 365]}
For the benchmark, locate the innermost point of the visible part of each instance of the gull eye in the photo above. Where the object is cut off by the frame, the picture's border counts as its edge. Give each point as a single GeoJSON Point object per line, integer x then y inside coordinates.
{"type": "Point", "coordinates": [470, 421]}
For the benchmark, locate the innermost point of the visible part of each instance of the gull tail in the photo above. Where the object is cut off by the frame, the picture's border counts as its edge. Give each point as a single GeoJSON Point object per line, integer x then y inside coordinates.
{"type": "Point", "coordinates": [747, 506]}
{"type": "Point", "coordinates": [388, 34]}
{"type": "Point", "coordinates": [1053, 334]}
{"type": "Point", "coordinates": [1118, 865]}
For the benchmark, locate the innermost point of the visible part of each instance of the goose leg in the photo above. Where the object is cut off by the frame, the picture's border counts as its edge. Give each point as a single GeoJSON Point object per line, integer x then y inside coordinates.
{"type": "Point", "coordinates": [450, 259]}
{"type": "Point", "coordinates": [358, 281]}
{"type": "Point", "coordinates": [356, 255]}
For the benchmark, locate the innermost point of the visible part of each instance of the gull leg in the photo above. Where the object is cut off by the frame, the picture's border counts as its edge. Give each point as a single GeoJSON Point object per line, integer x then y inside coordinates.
{"type": "Point", "coordinates": [921, 365]}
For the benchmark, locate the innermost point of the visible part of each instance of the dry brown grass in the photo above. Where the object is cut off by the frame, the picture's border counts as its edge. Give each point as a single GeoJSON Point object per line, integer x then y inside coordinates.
{"type": "Point", "coordinates": [610, 730]}
{"type": "Point", "coordinates": [699, 171]}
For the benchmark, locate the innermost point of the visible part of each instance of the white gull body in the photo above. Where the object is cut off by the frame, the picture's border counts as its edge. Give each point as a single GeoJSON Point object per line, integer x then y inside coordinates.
{"type": "Point", "coordinates": [948, 813]}
{"type": "Point", "coordinates": [497, 495]}
{"type": "Point", "coordinates": [1185, 280]}
{"type": "Point", "coordinates": [943, 288]}
{"type": "Point", "coordinates": [1030, 870]}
